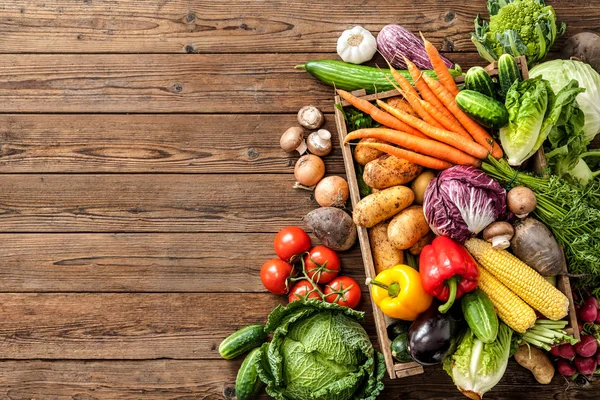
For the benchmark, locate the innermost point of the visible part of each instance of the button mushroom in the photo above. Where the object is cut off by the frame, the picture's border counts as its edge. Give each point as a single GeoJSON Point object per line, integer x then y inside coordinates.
{"type": "Point", "coordinates": [319, 142]}
{"type": "Point", "coordinates": [310, 117]}
{"type": "Point", "coordinates": [521, 201]}
{"type": "Point", "coordinates": [499, 234]}
{"type": "Point", "coordinates": [293, 139]}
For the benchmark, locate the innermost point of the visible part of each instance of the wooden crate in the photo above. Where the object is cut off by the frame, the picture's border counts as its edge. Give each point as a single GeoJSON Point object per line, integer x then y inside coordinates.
{"type": "Point", "coordinates": [395, 369]}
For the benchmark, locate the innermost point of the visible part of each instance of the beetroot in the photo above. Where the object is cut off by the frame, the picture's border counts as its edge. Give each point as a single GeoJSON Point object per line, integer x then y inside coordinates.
{"type": "Point", "coordinates": [588, 313]}
{"type": "Point", "coordinates": [555, 351]}
{"type": "Point", "coordinates": [565, 368]}
{"type": "Point", "coordinates": [592, 300]}
{"type": "Point", "coordinates": [587, 347]}
{"type": "Point", "coordinates": [585, 366]}
{"type": "Point", "coordinates": [567, 351]}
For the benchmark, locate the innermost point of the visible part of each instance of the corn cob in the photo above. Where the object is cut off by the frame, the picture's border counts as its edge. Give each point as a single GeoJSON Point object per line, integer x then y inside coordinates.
{"type": "Point", "coordinates": [510, 308]}
{"type": "Point", "coordinates": [523, 280]}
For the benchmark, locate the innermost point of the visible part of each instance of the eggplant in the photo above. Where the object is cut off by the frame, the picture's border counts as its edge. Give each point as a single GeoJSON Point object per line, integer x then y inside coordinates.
{"type": "Point", "coordinates": [434, 336]}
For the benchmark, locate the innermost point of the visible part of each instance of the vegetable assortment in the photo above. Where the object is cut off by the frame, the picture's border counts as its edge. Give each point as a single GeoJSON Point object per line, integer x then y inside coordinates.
{"type": "Point", "coordinates": [467, 243]}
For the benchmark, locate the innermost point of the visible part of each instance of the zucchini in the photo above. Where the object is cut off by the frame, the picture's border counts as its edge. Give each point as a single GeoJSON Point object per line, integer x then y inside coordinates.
{"type": "Point", "coordinates": [242, 341]}
{"type": "Point", "coordinates": [352, 77]}
{"type": "Point", "coordinates": [485, 110]}
{"type": "Point", "coordinates": [396, 328]}
{"type": "Point", "coordinates": [248, 384]}
{"type": "Point", "coordinates": [480, 315]}
{"type": "Point", "coordinates": [478, 79]}
{"type": "Point", "coordinates": [399, 348]}
{"type": "Point", "coordinates": [508, 73]}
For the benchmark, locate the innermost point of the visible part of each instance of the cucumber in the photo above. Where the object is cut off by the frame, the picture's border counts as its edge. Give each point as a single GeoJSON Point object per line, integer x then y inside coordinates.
{"type": "Point", "coordinates": [480, 315]}
{"type": "Point", "coordinates": [352, 77]}
{"type": "Point", "coordinates": [396, 328]}
{"type": "Point", "coordinates": [242, 341]}
{"type": "Point", "coordinates": [485, 110]}
{"type": "Point", "coordinates": [248, 384]}
{"type": "Point", "coordinates": [478, 79]}
{"type": "Point", "coordinates": [399, 348]}
{"type": "Point", "coordinates": [508, 73]}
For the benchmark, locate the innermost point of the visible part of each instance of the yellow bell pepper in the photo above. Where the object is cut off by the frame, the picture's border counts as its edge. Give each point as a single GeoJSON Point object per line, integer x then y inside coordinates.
{"type": "Point", "coordinates": [399, 293]}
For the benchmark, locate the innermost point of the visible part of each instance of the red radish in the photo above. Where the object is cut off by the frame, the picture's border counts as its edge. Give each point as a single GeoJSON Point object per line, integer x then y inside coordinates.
{"type": "Point", "coordinates": [567, 351]}
{"type": "Point", "coordinates": [588, 313]}
{"type": "Point", "coordinates": [598, 357]}
{"type": "Point", "coordinates": [585, 366]}
{"type": "Point", "coordinates": [587, 347]}
{"type": "Point", "coordinates": [565, 368]}
{"type": "Point", "coordinates": [555, 351]}
{"type": "Point", "coordinates": [592, 300]}
{"type": "Point", "coordinates": [598, 319]}
{"type": "Point", "coordinates": [577, 307]}
{"type": "Point", "coordinates": [579, 327]}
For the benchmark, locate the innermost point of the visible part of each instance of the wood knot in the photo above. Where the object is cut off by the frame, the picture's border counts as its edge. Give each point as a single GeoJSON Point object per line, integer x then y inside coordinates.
{"type": "Point", "coordinates": [229, 391]}
{"type": "Point", "coordinates": [449, 45]}
{"type": "Point", "coordinates": [450, 16]}
{"type": "Point", "coordinates": [177, 88]}
{"type": "Point", "coordinates": [189, 49]}
{"type": "Point", "coordinates": [253, 153]}
{"type": "Point", "coordinates": [290, 163]}
{"type": "Point", "coordinates": [190, 17]}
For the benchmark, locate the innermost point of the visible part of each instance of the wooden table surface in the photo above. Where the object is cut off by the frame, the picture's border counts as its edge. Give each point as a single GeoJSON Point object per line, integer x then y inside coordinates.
{"type": "Point", "coordinates": [142, 183]}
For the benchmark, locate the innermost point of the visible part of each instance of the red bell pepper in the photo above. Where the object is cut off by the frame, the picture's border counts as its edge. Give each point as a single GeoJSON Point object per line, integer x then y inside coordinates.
{"type": "Point", "coordinates": [447, 271]}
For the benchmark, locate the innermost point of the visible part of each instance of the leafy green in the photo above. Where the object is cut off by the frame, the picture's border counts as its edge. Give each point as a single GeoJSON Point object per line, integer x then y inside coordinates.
{"type": "Point", "coordinates": [476, 367]}
{"type": "Point", "coordinates": [571, 211]}
{"type": "Point", "coordinates": [527, 104]}
{"type": "Point", "coordinates": [517, 27]}
{"type": "Point", "coordinates": [536, 114]}
{"type": "Point", "coordinates": [363, 188]}
{"type": "Point", "coordinates": [319, 351]}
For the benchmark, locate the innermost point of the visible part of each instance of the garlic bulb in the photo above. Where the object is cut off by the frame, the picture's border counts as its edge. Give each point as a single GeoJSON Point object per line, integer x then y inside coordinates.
{"type": "Point", "coordinates": [356, 45]}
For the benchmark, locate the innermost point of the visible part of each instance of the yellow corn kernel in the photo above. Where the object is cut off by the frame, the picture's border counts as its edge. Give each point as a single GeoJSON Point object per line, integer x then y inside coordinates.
{"type": "Point", "coordinates": [510, 308]}
{"type": "Point", "coordinates": [523, 280]}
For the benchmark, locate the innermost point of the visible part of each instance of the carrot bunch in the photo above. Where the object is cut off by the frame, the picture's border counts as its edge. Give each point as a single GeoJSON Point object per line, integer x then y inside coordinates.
{"type": "Point", "coordinates": [428, 128]}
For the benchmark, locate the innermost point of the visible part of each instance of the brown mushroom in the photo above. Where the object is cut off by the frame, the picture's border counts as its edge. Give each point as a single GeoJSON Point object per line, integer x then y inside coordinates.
{"type": "Point", "coordinates": [499, 234]}
{"type": "Point", "coordinates": [521, 201]}
{"type": "Point", "coordinates": [293, 139]}
{"type": "Point", "coordinates": [319, 142]}
{"type": "Point", "coordinates": [310, 117]}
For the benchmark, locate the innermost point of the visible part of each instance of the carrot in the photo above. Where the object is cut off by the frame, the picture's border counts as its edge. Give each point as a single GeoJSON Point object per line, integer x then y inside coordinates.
{"type": "Point", "coordinates": [412, 96]}
{"type": "Point", "coordinates": [427, 147]}
{"type": "Point", "coordinates": [415, 158]}
{"type": "Point", "coordinates": [451, 138]}
{"type": "Point", "coordinates": [451, 123]}
{"type": "Point", "coordinates": [448, 124]}
{"type": "Point", "coordinates": [401, 104]}
{"type": "Point", "coordinates": [440, 68]}
{"type": "Point", "coordinates": [476, 131]}
{"type": "Point", "coordinates": [378, 115]}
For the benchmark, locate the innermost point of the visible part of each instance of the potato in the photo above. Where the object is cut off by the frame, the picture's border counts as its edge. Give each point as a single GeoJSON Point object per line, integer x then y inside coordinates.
{"type": "Point", "coordinates": [534, 244]}
{"type": "Point", "coordinates": [416, 248]}
{"type": "Point", "coordinates": [365, 154]}
{"type": "Point", "coordinates": [382, 205]}
{"type": "Point", "coordinates": [388, 171]}
{"type": "Point", "coordinates": [401, 103]}
{"type": "Point", "coordinates": [537, 362]}
{"type": "Point", "coordinates": [584, 46]}
{"type": "Point", "coordinates": [333, 227]}
{"type": "Point", "coordinates": [420, 184]}
{"type": "Point", "coordinates": [406, 228]}
{"type": "Point", "coordinates": [384, 254]}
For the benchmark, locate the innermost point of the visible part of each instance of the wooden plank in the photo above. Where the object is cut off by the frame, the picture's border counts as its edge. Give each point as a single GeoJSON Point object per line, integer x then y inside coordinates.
{"type": "Point", "coordinates": [164, 83]}
{"type": "Point", "coordinates": [151, 143]}
{"type": "Point", "coordinates": [128, 326]}
{"type": "Point", "coordinates": [208, 263]}
{"type": "Point", "coordinates": [214, 380]}
{"type": "Point", "coordinates": [151, 203]}
{"type": "Point", "coordinates": [178, 26]}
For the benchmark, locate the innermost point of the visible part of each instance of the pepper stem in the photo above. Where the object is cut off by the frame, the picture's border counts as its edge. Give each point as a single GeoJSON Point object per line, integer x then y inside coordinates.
{"type": "Point", "coordinates": [392, 289]}
{"type": "Point", "coordinates": [452, 283]}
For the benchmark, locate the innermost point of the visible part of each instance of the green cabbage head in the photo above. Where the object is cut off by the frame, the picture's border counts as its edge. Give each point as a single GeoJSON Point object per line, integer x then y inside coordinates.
{"type": "Point", "coordinates": [319, 351]}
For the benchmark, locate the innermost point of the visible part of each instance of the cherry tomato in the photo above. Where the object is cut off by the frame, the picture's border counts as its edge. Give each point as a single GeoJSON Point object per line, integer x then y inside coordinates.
{"type": "Point", "coordinates": [303, 289]}
{"type": "Point", "coordinates": [322, 264]}
{"type": "Point", "coordinates": [274, 275]}
{"type": "Point", "coordinates": [344, 291]}
{"type": "Point", "coordinates": [291, 241]}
